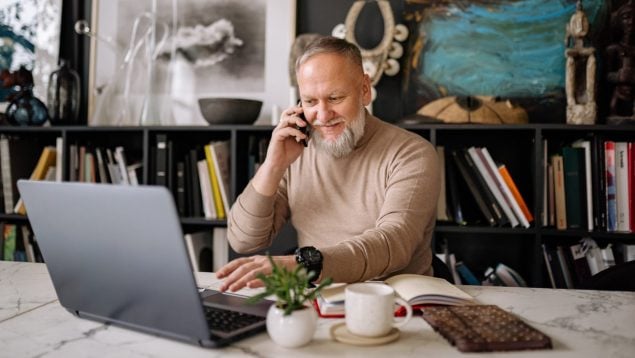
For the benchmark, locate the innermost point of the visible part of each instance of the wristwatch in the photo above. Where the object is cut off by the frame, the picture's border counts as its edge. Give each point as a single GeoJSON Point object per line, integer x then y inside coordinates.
{"type": "Point", "coordinates": [310, 258]}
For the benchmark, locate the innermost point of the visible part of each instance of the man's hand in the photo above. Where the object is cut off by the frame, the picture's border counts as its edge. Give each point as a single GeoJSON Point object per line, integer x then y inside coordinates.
{"type": "Point", "coordinates": [284, 148]}
{"type": "Point", "coordinates": [242, 272]}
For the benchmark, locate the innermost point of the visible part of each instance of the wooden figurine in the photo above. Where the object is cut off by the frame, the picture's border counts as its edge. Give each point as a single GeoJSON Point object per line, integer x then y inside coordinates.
{"type": "Point", "coordinates": [620, 62]}
{"type": "Point", "coordinates": [580, 71]}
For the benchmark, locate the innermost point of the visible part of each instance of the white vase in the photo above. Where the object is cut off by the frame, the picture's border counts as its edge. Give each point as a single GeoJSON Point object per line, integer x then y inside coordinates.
{"type": "Point", "coordinates": [294, 330]}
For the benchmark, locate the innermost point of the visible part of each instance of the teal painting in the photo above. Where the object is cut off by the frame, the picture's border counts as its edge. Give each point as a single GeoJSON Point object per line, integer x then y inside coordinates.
{"type": "Point", "coordinates": [511, 49]}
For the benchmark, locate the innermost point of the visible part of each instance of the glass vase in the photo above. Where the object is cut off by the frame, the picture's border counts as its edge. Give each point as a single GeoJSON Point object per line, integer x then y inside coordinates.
{"type": "Point", "coordinates": [63, 96]}
{"type": "Point", "coordinates": [26, 109]}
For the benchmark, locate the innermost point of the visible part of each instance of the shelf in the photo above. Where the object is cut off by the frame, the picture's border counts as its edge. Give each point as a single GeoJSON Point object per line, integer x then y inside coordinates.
{"type": "Point", "coordinates": [519, 147]}
{"type": "Point", "coordinates": [441, 228]}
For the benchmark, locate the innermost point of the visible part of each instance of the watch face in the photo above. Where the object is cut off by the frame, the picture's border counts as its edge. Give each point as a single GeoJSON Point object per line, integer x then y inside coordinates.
{"type": "Point", "coordinates": [313, 256]}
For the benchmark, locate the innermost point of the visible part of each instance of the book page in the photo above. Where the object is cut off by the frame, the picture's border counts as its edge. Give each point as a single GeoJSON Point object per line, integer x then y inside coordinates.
{"type": "Point", "coordinates": [411, 286]}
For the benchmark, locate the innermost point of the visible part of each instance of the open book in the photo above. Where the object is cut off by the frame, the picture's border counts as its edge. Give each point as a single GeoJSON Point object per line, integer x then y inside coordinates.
{"type": "Point", "coordinates": [416, 289]}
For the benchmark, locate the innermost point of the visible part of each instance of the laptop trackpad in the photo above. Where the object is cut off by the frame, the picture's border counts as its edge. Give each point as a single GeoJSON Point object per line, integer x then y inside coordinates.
{"type": "Point", "coordinates": [234, 303]}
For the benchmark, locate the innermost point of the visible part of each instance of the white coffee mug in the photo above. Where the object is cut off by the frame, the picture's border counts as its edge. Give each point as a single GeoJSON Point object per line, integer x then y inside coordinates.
{"type": "Point", "coordinates": [370, 309]}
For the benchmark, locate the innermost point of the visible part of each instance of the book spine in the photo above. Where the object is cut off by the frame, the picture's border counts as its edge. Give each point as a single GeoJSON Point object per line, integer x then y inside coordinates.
{"type": "Point", "coordinates": [559, 191]}
{"type": "Point", "coordinates": [59, 161]}
{"type": "Point", "coordinates": [588, 181]}
{"type": "Point", "coordinates": [573, 165]}
{"type": "Point", "coordinates": [564, 267]}
{"type": "Point", "coordinates": [466, 274]}
{"type": "Point", "coordinates": [599, 184]}
{"type": "Point", "coordinates": [483, 168]}
{"type": "Point", "coordinates": [483, 188]}
{"type": "Point", "coordinates": [161, 161]}
{"type": "Point", "coordinates": [195, 185]}
{"type": "Point", "coordinates": [504, 187]}
{"type": "Point", "coordinates": [622, 196]}
{"type": "Point", "coordinates": [502, 169]}
{"type": "Point", "coordinates": [7, 180]}
{"type": "Point", "coordinates": [547, 257]}
{"type": "Point", "coordinates": [460, 164]}
{"type": "Point", "coordinates": [218, 201]}
{"type": "Point", "coordinates": [609, 175]}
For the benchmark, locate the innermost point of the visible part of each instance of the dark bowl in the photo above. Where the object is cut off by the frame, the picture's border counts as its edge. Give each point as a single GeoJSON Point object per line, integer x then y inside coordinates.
{"type": "Point", "coordinates": [229, 110]}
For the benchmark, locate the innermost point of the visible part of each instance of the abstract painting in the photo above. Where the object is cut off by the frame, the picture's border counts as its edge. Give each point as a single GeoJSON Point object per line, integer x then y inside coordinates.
{"type": "Point", "coordinates": [508, 48]}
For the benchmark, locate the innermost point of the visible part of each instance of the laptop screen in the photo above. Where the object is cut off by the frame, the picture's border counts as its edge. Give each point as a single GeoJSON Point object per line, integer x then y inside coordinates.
{"type": "Point", "coordinates": [116, 253]}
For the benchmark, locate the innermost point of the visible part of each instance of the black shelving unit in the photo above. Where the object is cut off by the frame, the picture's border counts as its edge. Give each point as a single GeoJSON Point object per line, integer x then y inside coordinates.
{"type": "Point", "coordinates": [518, 146]}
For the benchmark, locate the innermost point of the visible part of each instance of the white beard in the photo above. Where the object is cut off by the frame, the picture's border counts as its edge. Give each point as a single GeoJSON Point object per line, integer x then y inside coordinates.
{"type": "Point", "coordinates": [346, 142]}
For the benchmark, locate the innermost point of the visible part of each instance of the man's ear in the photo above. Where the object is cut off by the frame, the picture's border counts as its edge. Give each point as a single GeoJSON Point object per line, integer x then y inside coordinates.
{"type": "Point", "coordinates": [366, 90]}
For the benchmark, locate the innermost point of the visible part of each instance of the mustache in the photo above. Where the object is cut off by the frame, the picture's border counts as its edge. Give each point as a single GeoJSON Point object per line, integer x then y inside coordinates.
{"type": "Point", "coordinates": [319, 123]}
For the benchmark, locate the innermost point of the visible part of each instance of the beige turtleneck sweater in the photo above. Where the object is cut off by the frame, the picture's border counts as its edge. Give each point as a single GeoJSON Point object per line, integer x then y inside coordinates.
{"type": "Point", "coordinates": [371, 213]}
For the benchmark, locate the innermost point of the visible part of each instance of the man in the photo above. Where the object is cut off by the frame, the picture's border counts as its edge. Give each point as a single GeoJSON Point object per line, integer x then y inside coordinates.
{"type": "Point", "coordinates": [362, 195]}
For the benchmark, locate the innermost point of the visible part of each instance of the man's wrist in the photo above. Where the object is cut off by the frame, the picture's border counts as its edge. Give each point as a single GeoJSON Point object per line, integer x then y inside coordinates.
{"type": "Point", "coordinates": [311, 259]}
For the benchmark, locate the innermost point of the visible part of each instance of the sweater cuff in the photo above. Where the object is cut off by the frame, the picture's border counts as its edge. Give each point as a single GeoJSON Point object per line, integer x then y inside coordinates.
{"type": "Point", "coordinates": [255, 203]}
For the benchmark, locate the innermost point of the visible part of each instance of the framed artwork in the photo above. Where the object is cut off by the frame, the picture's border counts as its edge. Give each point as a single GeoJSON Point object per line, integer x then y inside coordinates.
{"type": "Point", "coordinates": [510, 49]}
{"type": "Point", "coordinates": [198, 49]}
{"type": "Point", "coordinates": [30, 37]}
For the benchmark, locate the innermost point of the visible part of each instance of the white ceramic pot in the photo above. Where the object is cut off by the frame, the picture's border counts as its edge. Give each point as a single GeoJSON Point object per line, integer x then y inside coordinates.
{"type": "Point", "coordinates": [294, 330]}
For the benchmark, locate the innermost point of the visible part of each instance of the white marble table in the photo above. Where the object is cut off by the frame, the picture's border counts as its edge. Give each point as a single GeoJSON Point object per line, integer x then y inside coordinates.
{"type": "Point", "coordinates": [580, 324]}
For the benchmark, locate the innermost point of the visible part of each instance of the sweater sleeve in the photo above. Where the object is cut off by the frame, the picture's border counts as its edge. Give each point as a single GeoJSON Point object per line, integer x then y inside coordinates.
{"type": "Point", "coordinates": [400, 240]}
{"type": "Point", "coordinates": [255, 219]}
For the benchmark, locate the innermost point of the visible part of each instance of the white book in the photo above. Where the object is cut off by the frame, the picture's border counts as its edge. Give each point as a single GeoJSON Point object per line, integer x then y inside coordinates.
{"type": "Point", "coordinates": [101, 166]}
{"type": "Point", "coordinates": [593, 255]}
{"type": "Point", "coordinates": [5, 164]}
{"type": "Point", "coordinates": [607, 256]}
{"type": "Point", "coordinates": [59, 161]}
{"type": "Point", "coordinates": [132, 173]}
{"type": "Point", "coordinates": [491, 184]}
{"type": "Point", "coordinates": [190, 251]}
{"type": "Point", "coordinates": [452, 265]}
{"type": "Point", "coordinates": [622, 195]}
{"type": "Point", "coordinates": [586, 145]}
{"type": "Point", "coordinates": [221, 247]}
{"type": "Point", "coordinates": [500, 182]}
{"type": "Point", "coordinates": [209, 210]}
{"type": "Point", "coordinates": [120, 159]}
{"type": "Point", "coordinates": [200, 250]}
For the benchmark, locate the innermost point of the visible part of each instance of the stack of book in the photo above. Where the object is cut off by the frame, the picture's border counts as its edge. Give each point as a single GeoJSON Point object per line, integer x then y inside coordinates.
{"type": "Point", "coordinates": [199, 178]}
{"type": "Point", "coordinates": [490, 184]}
{"type": "Point", "coordinates": [590, 185]}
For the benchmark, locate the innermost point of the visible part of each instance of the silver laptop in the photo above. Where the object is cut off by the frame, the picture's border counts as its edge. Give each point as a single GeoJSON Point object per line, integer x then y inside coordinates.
{"type": "Point", "coordinates": [116, 254]}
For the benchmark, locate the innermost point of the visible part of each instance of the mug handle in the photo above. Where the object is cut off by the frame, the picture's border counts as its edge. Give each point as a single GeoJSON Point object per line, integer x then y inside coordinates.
{"type": "Point", "coordinates": [401, 301]}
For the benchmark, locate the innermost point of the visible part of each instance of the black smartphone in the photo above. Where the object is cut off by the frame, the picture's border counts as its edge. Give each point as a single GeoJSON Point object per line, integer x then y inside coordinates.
{"type": "Point", "coordinates": [306, 130]}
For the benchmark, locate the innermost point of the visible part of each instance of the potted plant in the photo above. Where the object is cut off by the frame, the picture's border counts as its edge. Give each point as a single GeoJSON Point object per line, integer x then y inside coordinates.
{"type": "Point", "coordinates": [291, 321]}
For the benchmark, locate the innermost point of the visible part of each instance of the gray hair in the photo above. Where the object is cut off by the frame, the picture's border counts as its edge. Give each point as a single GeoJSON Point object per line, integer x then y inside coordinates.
{"type": "Point", "coordinates": [329, 44]}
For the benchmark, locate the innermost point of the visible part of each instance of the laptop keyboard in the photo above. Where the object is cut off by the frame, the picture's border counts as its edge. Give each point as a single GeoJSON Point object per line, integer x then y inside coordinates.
{"type": "Point", "coordinates": [223, 322]}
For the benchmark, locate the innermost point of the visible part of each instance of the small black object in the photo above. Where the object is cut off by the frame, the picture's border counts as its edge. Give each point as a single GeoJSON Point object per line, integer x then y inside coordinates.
{"type": "Point", "coordinates": [306, 130]}
{"type": "Point", "coordinates": [311, 258]}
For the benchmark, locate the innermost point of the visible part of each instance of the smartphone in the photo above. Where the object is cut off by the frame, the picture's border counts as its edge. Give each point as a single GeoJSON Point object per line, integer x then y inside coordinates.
{"type": "Point", "coordinates": [306, 130]}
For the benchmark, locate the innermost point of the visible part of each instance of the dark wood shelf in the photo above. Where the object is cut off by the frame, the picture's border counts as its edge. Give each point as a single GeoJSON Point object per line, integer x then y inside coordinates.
{"type": "Point", "coordinates": [518, 146]}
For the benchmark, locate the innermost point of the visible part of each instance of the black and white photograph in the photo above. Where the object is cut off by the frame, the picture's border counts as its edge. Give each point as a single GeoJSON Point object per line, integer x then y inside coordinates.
{"type": "Point", "coordinates": [154, 60]}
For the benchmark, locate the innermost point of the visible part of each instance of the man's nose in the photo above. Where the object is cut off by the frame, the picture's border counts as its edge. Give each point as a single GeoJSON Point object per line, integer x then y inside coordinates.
{"type": "Point", "coordinates": [324, 113]}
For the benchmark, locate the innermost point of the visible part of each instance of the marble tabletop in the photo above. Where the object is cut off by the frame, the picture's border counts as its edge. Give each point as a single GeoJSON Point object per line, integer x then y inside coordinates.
{"type": "Point", "coordinates": [580, 323]}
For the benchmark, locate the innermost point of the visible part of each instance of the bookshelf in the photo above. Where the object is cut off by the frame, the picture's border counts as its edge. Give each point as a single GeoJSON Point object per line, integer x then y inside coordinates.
{"type": "Point", "coordinates": [519, 147]}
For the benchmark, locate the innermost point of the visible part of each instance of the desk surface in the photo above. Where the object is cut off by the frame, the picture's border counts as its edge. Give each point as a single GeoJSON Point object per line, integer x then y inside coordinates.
{"type": "Point", "coordinates": [580, 324]}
